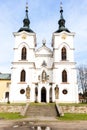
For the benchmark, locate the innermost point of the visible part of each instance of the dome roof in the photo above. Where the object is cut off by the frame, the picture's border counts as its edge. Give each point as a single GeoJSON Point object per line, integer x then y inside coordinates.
{"type": "Point", "coordinates": [26, 23]}
{"type": "Point", "coordinates": [25, 29]}
{"type": "Point", "coordinates": [62, 29]}
{"type": "Point", "coordinates": [61, 23]}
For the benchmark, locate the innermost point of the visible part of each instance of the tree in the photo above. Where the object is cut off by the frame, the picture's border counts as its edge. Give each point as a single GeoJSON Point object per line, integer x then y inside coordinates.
{"type": "Point", "coordinates": [82, 80]}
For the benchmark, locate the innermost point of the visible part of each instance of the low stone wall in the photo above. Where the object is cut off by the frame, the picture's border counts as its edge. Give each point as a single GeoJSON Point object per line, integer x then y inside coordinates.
{"type": "Point", "coordinates": [65, 109]}
{"type": "Point", "coordinates": [13, 109]}
{"type": "Point", "coordinates": [74, 109]}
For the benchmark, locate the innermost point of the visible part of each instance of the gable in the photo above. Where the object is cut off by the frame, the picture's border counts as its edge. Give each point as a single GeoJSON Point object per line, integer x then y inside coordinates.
{"type": "Point", "coordinates": [44, 50]}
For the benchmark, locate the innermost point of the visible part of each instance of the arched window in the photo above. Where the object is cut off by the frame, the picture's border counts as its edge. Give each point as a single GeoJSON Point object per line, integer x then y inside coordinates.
{"type": "Point", "coordinates": [23, 53]}
{"type": "Point", "coordinates": [23, 75]}
{"type": "Point", "coordinates": [64, 76]}
{"type": "Point", "coordinates": [63, 53]}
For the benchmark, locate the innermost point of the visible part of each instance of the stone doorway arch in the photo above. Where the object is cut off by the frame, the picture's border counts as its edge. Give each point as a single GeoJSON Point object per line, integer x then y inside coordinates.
{"type": "Point", "coordinates": [43, 94]}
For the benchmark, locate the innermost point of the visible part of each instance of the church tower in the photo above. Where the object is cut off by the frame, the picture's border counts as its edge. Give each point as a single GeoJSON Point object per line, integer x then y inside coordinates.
{"type": "Point", "coordinates": [23, 65]}
{"type": "Point", "coordinates": [64, 66]}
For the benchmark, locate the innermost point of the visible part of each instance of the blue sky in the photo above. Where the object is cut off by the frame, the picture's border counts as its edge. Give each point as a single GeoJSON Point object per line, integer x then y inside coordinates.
{"type": "Point", "coordinates": [44, 16]}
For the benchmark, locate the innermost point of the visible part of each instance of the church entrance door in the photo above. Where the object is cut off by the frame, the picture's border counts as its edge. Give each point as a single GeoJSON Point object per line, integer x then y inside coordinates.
{"type": "Point", "coordinates": [43, 94]}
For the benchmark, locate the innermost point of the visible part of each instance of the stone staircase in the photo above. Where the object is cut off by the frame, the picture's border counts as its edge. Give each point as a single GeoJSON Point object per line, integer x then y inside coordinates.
{"type": "Point", "coordinates": [41, 110]}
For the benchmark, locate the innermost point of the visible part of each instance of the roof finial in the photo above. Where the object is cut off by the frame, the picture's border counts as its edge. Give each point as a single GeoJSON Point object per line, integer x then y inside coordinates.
{"type": "Point", "coordinates": [26, 16]}
{"type": "Point", "coordinates": [44, 42]}
{"type": "Point", "coordinates": [26, 20]}
{"type": "Point", "coordinates": [26, 5]}
{"type": "Point", "coordinates": [61, 5]}
{"type": "Point", "coordinates": [61, 10]}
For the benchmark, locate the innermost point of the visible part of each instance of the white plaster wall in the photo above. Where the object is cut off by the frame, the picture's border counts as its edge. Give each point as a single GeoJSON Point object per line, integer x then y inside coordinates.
{"type": "Point", "coordinates": [68, 65]}
{"type": "Point", "coordinates": [33, 67]}
{"type": "Point", "coordinates": [59, 43]}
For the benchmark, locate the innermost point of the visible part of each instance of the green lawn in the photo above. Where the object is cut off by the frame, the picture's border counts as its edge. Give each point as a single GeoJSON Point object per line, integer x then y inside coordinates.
{"type": "Point", "coordinates": [73, 116]}
{"type": "Point", "coordinates": [66, 117]}
{"type": "Point", "coordinates": [10, 116]}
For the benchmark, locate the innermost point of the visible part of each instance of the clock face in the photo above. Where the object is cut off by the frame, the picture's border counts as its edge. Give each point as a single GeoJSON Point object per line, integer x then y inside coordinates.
{"type": "Point", "coordinates": [64, 36]}
{"type": "Point", "coordinates": [24, 36]}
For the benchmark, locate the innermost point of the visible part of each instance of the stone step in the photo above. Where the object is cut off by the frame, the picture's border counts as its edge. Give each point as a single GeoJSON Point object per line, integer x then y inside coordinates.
{"type": "Point", "coordinates": [41, 110]}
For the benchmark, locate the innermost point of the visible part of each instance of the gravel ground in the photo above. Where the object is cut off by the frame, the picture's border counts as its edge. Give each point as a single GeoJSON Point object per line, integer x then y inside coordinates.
{"type": "Point", "coordinates": [34, 124]}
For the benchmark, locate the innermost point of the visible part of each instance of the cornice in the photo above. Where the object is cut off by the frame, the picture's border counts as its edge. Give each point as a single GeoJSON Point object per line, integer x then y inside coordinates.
{"type": "Point", "coordinates": [23, 32]}
{"type": "Point", "coordinates": [44, 55]}
{"type": "Point", "coordinates": [63, 63]}
{"type": "Point", "coordinates": [59, 49]}
{"type": "Point", "coordinates": [23, 62]}
{"type": "Point", "coordinates": [64, 32]}
{"type": "Point", "coordinates": [45, 68]}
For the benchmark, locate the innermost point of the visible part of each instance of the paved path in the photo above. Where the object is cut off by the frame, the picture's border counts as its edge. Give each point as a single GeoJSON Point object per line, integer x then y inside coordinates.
{"type": "Point", "coordinates": [25, 124]}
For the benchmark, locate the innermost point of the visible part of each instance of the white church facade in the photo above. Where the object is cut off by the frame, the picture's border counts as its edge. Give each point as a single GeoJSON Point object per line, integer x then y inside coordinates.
{"type": "Point", "coordinates": [44, 74]}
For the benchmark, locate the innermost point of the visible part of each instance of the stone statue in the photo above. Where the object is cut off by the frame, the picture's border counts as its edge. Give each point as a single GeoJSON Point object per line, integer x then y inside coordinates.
{"type": "Point", "coordinates": [56, 92]}
{"type": "Point", "coordinates": [28, 92]}
{"type": "Point", "coordinates": [43, 76]}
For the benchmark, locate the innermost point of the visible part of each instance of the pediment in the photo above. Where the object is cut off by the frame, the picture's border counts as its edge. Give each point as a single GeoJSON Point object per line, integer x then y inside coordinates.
{"type": "Point", "coordinates": [44, 50]}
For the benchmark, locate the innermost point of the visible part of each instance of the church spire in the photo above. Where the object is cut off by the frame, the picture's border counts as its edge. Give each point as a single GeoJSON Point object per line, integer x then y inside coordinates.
{"type": "Point", "coordinates": [26, 22]}
{"type": "Point", "coordinates": [61, 11]}
{"type": "Point", "coordinates": [62, 21]}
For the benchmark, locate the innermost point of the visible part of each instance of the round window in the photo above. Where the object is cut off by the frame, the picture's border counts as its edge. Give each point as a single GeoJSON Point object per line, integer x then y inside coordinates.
{"type": "Point", "coordinates": [64, 91]}
{"type": "Point", "coordinates": [22, 91]}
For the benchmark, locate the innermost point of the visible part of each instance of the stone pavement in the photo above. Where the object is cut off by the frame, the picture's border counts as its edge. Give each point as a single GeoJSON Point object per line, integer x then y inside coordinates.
{"type": "Point", "coordinates": [6, 123]}
{"type": "Point", "coordinates": [40, 121]}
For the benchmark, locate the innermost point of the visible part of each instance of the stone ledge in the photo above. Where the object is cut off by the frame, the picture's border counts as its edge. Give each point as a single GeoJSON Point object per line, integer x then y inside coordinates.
{"type": "Point", "coordinates": [74, 109]}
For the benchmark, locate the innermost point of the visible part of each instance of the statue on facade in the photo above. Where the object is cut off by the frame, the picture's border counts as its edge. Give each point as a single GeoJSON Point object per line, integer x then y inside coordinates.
{"type": "Point", "coordinates": [43, 76]}
{"type": "Point", "coordinates": [56, 92]}
{"type": "Point", "coordinates": [28, 92]}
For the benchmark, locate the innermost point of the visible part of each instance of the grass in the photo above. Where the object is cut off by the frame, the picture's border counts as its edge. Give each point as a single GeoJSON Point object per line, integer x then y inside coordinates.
{"type": "Point", "coordinates": [73, 117]}
{"type": "Point", "coordinates": [66, 117]}
{"type": "Point", "coordinates": [10, 116]}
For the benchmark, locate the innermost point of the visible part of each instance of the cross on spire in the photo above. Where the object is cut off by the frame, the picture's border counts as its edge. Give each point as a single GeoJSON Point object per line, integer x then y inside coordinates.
{"type": "Point", "coordinates": [61, 5]}
{"type": "Point", "coordinates": [61, 10]}
{"type": "Point", "coordinates": [26, 5]}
